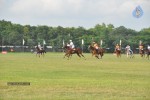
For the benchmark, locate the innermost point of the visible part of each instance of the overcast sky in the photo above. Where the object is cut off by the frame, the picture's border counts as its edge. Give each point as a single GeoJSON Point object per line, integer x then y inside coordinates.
{"type": "Point", "coordinates": [74, 13]}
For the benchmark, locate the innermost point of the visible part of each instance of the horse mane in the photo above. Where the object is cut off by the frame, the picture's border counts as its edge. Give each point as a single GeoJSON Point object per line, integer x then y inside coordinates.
{"type": "Point", "coordinates": [67, 47]}
{"type": "Point", "coordinates": [91, 47]}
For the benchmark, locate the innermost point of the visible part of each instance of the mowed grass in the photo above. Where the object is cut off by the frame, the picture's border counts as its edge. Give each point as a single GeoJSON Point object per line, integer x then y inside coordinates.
{"type": "Point", "coordinates": [55, 78]}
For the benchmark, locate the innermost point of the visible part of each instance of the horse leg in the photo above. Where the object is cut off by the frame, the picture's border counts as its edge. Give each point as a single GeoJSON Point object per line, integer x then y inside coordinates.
{"type": "Point", "coordinates": [99, 56]}
{"type": "Point", "coordinates": [43, 54]}
{"type": "Point", "coordinates": [127, 54]}
{"type": "Point", "coordinates": [78, 55]}
{"type": "Point", "coordinates": [96, 56]}
{"type": "Point", "coordinates": [93, 54]}
{"type": "Point", "coordinates": [147, 56]}
{"type": "Point", "coordinates": [82, 56]}
{"type": "Point", "coordinates": [65, 55]}
{"type": "Point", "coordinates": [117, 55]}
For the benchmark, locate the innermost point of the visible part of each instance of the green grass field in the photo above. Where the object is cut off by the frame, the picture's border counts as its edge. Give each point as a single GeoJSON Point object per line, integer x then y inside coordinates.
{"type": "Point", "coordinates": [55, 78]}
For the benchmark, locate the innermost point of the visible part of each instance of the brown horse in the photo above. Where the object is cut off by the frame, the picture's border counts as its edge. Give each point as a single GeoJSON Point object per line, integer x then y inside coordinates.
{"type": "Point", "coordinates": [118, 52]}
{"type": "Point", "coordinates": [69, 51]}
{"type": "Point", "coordinates": [96, 53]}
{"type": "Point", "coordinates": [142, 52]}
{"type": "Point", "coordinates": [40, 51]}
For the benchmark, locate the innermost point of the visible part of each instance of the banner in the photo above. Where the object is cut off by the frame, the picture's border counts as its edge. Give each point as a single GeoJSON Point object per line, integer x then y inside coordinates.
{"type": "Point", "coordinates": [120, 42]}
{"type": "Point", "coordinates": [82, 41]}
{"type": "Point", "coordinates": [44, 42]}
{"type": "Point", "coordinates": [63, 42]}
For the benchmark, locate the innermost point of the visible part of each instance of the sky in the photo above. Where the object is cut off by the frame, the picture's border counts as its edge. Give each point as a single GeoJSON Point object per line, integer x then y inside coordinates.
{"type": "Point", "coordinates": [75, 13]}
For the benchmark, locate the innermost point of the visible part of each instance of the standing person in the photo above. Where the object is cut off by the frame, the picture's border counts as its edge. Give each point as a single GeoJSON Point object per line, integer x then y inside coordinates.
{"type": "Point", "coordinates": [72, 45]}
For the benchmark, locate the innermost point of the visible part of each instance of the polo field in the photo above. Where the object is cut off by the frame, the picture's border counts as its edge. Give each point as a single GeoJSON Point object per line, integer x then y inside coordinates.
{"type": "Point", "coordinates": [53, 77]}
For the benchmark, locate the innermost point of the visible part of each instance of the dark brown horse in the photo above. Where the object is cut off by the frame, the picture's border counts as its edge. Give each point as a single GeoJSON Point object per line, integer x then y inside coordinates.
{"type": "Point", "coordinates": [148, 53]}
{"type": "Point", "coordinates": [142, 52]}
{"type": "Point", "coordinates": [69, 51]}
{"type": "Point", "coordinates": [118, 52]}
{"type": "Point", "coordinates": [96, 53]}
{"type": "Point", "coordinates": [40, 51]}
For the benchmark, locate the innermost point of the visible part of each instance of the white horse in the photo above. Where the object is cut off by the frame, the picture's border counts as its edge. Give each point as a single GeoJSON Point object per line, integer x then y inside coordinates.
{"type": "Point", "coordinates": [129, 53]}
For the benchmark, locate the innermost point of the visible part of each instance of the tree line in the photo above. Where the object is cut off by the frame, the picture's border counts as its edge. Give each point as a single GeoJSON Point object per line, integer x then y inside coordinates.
{"type": "Point", "coordinates": [13, 34]}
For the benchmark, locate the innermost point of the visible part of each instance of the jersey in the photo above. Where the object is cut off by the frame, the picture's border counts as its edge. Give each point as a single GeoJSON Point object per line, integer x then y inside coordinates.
{"type": "Point", "coordinates": [148, 47]}
{"type": "Point", "coordinates": [71, 45]}
{"type": "Point", "coordinates": [141, 47]}
{"type": "Point", "coordinates": [117, 47]}
{"type": "Point", "coordinates": [95, 46]}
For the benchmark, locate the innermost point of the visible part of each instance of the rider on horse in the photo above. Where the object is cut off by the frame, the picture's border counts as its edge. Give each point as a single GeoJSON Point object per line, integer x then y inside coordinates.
{"type": "Point", "coordinates": [117, 47]}
{"type": "Point", "coordinates": [39, 46]}
{"type": "Point", "coordinates": [128, 50]}
{"type": "Point", "coordinates": [141, 47]}
{"type": "Point", "coordinates": [95, 45]}
{"type": "Point", "coordinates": [71, 45]}
{"type": "Point", "coordinates": [148, 47]}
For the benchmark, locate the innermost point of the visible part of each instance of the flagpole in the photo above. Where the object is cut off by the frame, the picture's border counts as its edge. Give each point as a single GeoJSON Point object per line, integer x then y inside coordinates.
{"type": "Point", "coordinates": [23, 44]}
{"type": "Point", "coordinates": [82, 44]}
{"type": "Point", "coordinates": [120, 44]}
{"type": "Point", "coordinates": [63, 44]}
{"type": "Point", "coordinates": [2, 44]}
{"type": "Point", "coordinates": [43, 44]}
{"type": "Point", "coordinates": [101, 43]}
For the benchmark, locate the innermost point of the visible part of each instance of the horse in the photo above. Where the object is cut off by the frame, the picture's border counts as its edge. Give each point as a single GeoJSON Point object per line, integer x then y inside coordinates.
{"type": "Point", "coordinates": [97, 53]}
{"type": "Point", "coordinates": [148, 53]}
{"type": "Point", "coordinates": [40, 51]}
{"type": "Point", "coordinates": [69, 51]}
{"type": "Point", "coordinates": [129, 53]}
{"type": "Point", "coordinates": [142, 52]}
{"type": "Point", "coordinates": [118, 52]}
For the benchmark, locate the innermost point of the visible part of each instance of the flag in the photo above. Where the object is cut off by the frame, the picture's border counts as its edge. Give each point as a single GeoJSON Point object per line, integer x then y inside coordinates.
{"type": "Point", "coordinates": [23, 41]}
{"type": "Point", "coordinates": [140, 42]}
{"type": "Point", "coordinates": [63, 42]}
{"type": "Point", "coordinates": [82, 41]}
{"type": "Point", "coordinates": [44, 42]}
{"type": "Point", "coordinates": [138, 12]}
{"type": "Point", "coordinates": [120, 42]}
{"type": "Point", "coordinates": [38, 43]}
